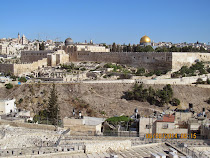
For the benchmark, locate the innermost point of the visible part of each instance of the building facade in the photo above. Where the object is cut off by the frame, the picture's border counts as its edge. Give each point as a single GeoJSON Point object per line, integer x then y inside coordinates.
{"type": "Point", "coordinates": [7, 106]}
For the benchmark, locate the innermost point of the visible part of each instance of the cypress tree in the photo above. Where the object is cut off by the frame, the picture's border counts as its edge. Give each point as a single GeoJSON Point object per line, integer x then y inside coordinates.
{"type": "Point", "coordinates": [53, 110]}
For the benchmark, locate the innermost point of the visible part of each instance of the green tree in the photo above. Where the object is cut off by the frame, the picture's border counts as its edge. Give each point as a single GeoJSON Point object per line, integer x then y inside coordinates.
{"type": "Point", "coordinates": [53, 109]}
{"type": "Point", "coordinates": [41, 46]}
{"type": "Point", "coordinates": [134, 48]}
{"type": "Point", "coordinates": [139, 48]}
{"type": "Point", "coordinates": [202, 49]}
{"type": "Point", "coordinates": [114, 47]}
{"type": "Point", "coordinates": [124, 48]}
{"type": "Point", "coordinates": [174, 49]}
{"type": "Point", "coordinates": [148, 49]}
{"type": "Point", "coordinates": [129, 49]}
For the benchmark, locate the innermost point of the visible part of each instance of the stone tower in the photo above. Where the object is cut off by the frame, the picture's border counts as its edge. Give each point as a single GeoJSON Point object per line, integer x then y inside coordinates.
{"type": "Point", "coordinates": [18, 38]}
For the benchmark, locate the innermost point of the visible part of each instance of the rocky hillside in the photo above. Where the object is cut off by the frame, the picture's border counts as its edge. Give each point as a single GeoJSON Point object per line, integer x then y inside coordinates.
{"type": "Point", "coordinates": [101, 100]}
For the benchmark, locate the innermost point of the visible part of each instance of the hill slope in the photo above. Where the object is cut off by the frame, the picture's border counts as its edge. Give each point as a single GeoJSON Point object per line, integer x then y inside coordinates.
{"type": "Point", "coordinates": [102, 100]}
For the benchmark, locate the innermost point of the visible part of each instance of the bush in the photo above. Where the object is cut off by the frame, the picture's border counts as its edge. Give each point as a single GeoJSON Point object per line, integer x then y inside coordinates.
{"type": "Point", "coordinates": [199, 81]}
{"type": "Point", "coordinates": [208, 81]}
{"type": "Point", "coordinates": [154, 97]}
{"type": "Point", "coordinates": [157, 72]}
{"type": "Point", "coordinates": [83, 69]}
{"type": "Point", "coordinates": [208, 101]}
{"type": "Point", "coordinates": [191, 71]}
{"type": "Point", "coordinates": [9, 86]}
{"type": "Point", "coordinates": [140, 71]}
{"type": "Point", "coordinates": [116, 120]}
{"type": "Point", "coordinates": [20, 100]}
{"type": "Point", "coordinates": [175, 102]}
{"type": "Point", "coordinates": [22, 79]}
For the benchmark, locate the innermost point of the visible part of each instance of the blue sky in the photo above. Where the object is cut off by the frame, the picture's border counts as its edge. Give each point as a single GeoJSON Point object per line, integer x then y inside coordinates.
{"type": "Point", "coordinates": [120, 21]}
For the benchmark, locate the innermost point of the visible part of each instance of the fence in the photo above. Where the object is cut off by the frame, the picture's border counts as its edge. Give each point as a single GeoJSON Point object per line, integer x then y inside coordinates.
{"type": "Point", "coordinates": [184, 148]}
{"type": "Point", "coordinates": [121, 134]}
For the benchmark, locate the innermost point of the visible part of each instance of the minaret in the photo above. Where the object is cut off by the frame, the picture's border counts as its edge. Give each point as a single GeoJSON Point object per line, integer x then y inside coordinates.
{"type": "Point", "coordinates": [18, 38]}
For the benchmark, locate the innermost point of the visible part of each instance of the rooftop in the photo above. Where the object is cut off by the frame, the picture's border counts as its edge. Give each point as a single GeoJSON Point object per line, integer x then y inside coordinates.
{"type": "Point", "coordinates": [167, 118]}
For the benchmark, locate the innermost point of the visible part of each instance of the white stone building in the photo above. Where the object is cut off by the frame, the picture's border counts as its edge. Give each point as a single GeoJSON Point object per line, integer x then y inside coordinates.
{"type": "Point", "coordinates": [7, 106]}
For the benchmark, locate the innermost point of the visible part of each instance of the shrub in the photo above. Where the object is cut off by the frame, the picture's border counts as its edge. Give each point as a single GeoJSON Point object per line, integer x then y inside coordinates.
{"type": "Point", "coordinates": [9, 86]}
{"type": "Point", "coordinates": [140, 71]}
{"type": "Point", "coordinates": [22, 79]}
{"type": "Point", "coordinates": [154, 97]}
{"type": "Point", "coordinates": [83, 69]}
{"type": "Point", "coordinates": [116, 120]}
{"type": "Point", "coordinates": [208, 81]}
{"type": "Point", "coordinates": [199, 81]}
{"type": "Point", "coordinates": [157, 72]}
{"type": "Point", "coordinates": [20, 100]}
{"type": "Point", "coordinates": [175, 102]}
{"type": "Point", "coordinates": [208, 101]}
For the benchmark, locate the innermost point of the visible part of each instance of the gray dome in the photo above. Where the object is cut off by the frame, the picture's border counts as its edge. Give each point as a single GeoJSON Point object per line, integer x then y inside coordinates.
{"type": "Point", "coordinates": [69, 41]}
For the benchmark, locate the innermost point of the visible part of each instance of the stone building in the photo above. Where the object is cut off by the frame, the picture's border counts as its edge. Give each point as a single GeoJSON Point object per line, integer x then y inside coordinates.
{"type": "Point", "coordinates": [168, 125]}
{"type": "Point", "coordinates": [145, 125]}
{"type": "Point", "coordinates": [84, 126]}
{"type": "Point", "coordinates": [56, 58]}
{"type": "Point", "coordinates": [71, 47]}
{"type": "Point", "coordinates": [7, 106]}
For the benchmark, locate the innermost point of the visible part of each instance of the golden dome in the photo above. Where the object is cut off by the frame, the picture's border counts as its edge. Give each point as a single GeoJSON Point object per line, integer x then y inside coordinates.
{"type": "Point", "coordinates": [145, 39]}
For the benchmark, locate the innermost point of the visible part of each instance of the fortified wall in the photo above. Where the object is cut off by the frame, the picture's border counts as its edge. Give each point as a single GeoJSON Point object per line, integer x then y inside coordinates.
{"type": "Point", "coordinates": [32, 56]}
{"type": "Point", "coordinates": [7, 68]}
{"type": "Point", "coordinates": [180, 59]}
{"type": "Point", "coordinates": [27, 68]}
{"type": "Point", "coordinates": [148, 60]}
{"type": "Point", "coordinates": [18, 69]}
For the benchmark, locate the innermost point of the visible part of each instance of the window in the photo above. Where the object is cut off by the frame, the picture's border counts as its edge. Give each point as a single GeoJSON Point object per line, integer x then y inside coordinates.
{"type": "Point", "coordinates": [165, 126]}
{"type": "Point", "coordinates": [148, 126]}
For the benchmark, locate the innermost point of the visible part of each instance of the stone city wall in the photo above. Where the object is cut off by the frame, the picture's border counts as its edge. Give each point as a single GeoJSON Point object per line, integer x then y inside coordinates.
{"type": "Point", "coordinates": [32, 56]}
{"type": "Point", "coordinates": [180, 59]}
{"type": "Point", "coordinates": [27, 68]}
{"type": "Point", "coordinates": [7, 68]}
{"type": "Point", "coordinates": [19, 69]}
{"type": "Point", "coordinates": [148, 60]}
